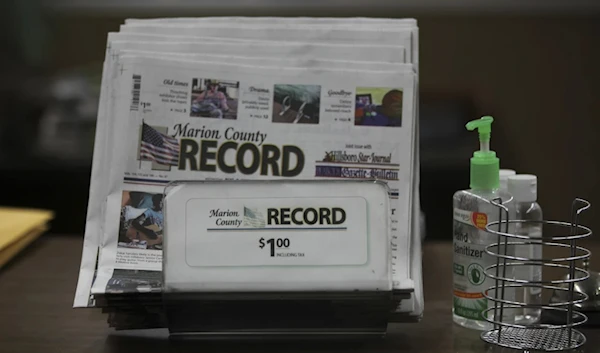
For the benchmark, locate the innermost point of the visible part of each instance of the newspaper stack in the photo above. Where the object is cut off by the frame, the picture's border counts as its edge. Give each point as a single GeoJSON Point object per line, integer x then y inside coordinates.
{"type": "Point", "coordinates": [226, 98]}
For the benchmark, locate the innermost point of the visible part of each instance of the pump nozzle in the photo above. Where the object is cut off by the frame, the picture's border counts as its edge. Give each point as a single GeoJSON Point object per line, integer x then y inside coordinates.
{"type": "Point", "coordinates": [484, 164]}
{"type": "Point", "coordinates": [483, 126]}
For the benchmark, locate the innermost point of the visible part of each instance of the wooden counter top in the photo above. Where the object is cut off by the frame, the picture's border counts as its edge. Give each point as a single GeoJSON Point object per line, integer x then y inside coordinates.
{"type": "Point", "coordinates": [37, 289]}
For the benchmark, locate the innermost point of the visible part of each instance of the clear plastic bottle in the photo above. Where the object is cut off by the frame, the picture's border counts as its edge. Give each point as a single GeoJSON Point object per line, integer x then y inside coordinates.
{"type": "Point", "coordinates": [470, 258]}
{"type": "Point", "coordinates": [504, 174]}
{"type": "Point", "coordinates": [523, 187]}
{"type": "Point", "coordinates": [473, 210]}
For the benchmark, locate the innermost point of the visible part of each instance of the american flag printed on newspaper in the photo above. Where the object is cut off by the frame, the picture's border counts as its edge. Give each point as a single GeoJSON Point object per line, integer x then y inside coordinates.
{"type": "Point", "coordinates": [253, 218]}
{"type": "Point", "coordinates": [158, 147]}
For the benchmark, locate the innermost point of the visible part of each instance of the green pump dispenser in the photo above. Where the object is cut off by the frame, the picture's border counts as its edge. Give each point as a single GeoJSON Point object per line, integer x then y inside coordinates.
{"type": "Point", "coordinates": [485, 166]}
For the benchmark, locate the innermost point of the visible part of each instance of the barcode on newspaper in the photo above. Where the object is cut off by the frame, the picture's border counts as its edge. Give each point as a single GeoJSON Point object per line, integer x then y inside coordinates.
{"type": "Point", "coordinates": [135, 92]}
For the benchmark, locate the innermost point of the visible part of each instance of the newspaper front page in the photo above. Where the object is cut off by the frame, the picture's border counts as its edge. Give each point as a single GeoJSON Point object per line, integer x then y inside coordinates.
{"type": "Point", "coordinates": [258, 123]}
{"type": "Point", "coordinates": [250, 48]}
{"type": "Point", "coordinates": [140, 279]}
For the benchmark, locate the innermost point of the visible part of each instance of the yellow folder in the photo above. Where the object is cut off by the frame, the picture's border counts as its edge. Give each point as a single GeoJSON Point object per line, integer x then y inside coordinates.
{"type": "Point", "coordinates": [18, 228]}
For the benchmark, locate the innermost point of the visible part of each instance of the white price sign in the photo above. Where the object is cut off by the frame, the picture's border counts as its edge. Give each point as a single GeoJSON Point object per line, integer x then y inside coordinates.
{"type": "Point", "coordinates": [277, 236]}
{"type": "Point", "coordinates": [277, 231]}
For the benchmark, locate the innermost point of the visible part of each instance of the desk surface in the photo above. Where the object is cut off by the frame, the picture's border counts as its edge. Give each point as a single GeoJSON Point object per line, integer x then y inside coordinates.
{"type": "Point", "coordinates": [36, 296]}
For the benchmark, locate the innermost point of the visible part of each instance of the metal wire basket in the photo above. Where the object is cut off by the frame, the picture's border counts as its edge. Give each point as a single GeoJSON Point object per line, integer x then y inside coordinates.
{"type": "Point", "coordinates": [538, 336]}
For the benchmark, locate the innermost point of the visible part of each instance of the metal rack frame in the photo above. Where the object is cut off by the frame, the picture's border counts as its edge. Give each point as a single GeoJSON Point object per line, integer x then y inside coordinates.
{"type": "Point", "coordinates": [537, 336]}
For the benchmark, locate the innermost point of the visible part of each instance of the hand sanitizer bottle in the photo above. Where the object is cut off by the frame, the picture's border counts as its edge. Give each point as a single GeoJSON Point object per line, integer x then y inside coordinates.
{"type": "Point", "coordinates": [523, 188]}
{"type": "Point", "coordinates": [472, 212]}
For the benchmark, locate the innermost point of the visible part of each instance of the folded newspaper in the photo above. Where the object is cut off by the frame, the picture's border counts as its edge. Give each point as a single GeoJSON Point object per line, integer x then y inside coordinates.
{"type": "Point", "coordinates": [228, 98]}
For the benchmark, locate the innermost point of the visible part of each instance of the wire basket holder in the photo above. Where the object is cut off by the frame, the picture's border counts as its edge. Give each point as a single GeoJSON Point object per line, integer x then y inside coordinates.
{"type": "Point", "coordinates": [537, 336]}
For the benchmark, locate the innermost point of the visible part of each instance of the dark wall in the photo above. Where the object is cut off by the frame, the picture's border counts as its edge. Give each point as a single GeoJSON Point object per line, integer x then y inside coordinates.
{"type": "Point", "coordinates": [539, 79]}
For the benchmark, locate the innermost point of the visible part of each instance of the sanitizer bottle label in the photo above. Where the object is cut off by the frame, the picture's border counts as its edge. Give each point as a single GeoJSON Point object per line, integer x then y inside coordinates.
{"type": "Point", "coordinates": [470, 260]}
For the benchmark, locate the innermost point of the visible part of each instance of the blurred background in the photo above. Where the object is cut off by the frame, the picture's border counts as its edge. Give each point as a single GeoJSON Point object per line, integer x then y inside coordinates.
{"type": "Point", "coordinates": [533, 65]}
